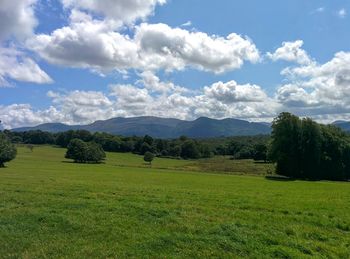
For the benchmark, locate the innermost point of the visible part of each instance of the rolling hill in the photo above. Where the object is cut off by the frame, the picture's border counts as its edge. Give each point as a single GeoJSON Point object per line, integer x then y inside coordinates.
{"type": "Point", "coordinates": [163, 127]}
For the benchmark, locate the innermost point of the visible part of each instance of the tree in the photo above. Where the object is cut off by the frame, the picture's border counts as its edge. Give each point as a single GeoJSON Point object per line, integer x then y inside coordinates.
{"type": "Point", "coordinates": [221, 150]}
{"type": "Point", "coordinates": [8, 151]}
{"type": "Point", "coordinates": [260, 152]}
{"type": "Point", "coordinates": [205, 151]}
{"type": "Point", "coordinates": [175, 151]}
{"type": "Point", "coordinates": [85, 152]}
{"type": "Point", "coordinates": [335, 157]}
{"type": "Point", "coordinates": [148, 157]}
{"type": "Point", "coordinates": [148, 139]}
{"type": "Point", "coordinates": [310, 148]}
{"type": "Point", "coordinates": [30, 147]}
{"type": "Point", "coordinates": [95, 153]}
{"type": "Point", "coordinates": [307, 150]}
{"type": "Point", "coordinates": [145, 147]}
{"type": "Point", "coordinates": [38, 137]}
{"type": "Point", "coordinates": [189, 149]}
{"type": "Point", "coordinates": [285, 145]}
{"type": "Point", "coordinates": [77, 150]}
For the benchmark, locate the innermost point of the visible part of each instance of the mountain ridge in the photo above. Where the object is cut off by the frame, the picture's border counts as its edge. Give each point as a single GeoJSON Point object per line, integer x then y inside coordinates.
{"type": "Point", "coordinates": [202, 127]}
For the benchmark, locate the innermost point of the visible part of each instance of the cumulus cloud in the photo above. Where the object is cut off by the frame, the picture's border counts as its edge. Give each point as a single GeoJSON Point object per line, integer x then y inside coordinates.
{"type": "Point", "coordinates": [123, 11]}
{"type": "Point", "coordinates": [17, 18]}
{"type": "Point", "coordinates": [175, 48]}
{"type": "Point", "coordinates": [95, 44]}
{"type": "Point", "coordinates": [17, 115]}
{"type": "Point", "coordinates": [291, 52]}
{"type": "Point", "coordinates": [86, 44]}
{"type": "Point", "coordinates": [17, 23]}
{"type": "Point", "coordinates": [231, 92]}
{"type": "Point", "coordinates": [152, 83]}
{"type": "Point", "coordinates": [16, 65]}
{"type": "Point", "coordinates": [130, 100]}
{"type": "Point", "coordinates": [318, 89]}
{"type": "Point", "coordinates": [81, 106]}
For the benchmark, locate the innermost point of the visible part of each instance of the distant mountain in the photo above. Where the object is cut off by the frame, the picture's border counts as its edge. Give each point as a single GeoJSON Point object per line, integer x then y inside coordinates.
{"type": "Point", "coordinates": [163, 128]}
{"type": "Point", "coordinates": [50, 127]}
{"type": "Point", "coordinates": [344, 125]}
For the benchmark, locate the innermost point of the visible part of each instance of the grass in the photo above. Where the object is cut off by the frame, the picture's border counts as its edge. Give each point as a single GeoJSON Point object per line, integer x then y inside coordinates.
{"type": "Point", "coordinates": [51, 208]}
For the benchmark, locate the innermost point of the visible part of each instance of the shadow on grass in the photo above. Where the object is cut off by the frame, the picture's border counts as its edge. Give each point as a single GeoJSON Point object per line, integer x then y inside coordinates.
{"type": "Point", "coordinates": [279, 178]}
{"type": "Point", "coordinates": [87, 163]}
{"type": "Point", "coordinates": [262, 162]}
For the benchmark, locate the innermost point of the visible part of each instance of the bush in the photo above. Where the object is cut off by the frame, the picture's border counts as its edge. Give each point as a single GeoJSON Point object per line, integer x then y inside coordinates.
{"type": "Point", "coordinates": [8, 151]}
{"type": "Point", "coordinates": [148, 157]}
{"type": "Point", "coordinates": [85, 152]}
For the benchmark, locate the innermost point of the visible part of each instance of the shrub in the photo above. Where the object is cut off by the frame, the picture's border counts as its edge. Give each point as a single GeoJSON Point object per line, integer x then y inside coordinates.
{"type": "Point", "coordinates": [8, 151]}
{"type": "Point", "coordinates": [85, 152]}
{"type": "Point", "coordinates": [148, 157]}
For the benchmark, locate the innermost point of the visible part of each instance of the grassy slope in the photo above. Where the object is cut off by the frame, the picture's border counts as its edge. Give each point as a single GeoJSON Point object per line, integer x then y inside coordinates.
{"type": "Point", "coordinates": [50, 209]}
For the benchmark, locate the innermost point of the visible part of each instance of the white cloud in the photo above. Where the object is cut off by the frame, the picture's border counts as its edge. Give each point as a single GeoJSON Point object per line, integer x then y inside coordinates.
{"type": "Point", "coordinates": [152, 83]}
{"type": "Point", "coordinates": [86, 44]}
{"type": "Point", "coordinates": [231, 92]}
{"type": "Point", "coordinates": [16, 65]}
{"type": "Point", "coordinates": [81, 106]}
{"type": "Point", "coordinates": [187, 24]}
{"type": "Point", "coordinates": [123, 11]}
{"type": "Point", "coordinates": [17, 18]}
{"type": "Point", "coordinates": [342, 13]}
{"type": "Point", "coordinates": [318, 89]}
{"type": "Point", "coordinates": [17, 23]}
{"type": "Point", "coordinates": [17, 115]}
{"type": "Point", "coordinates": [291, 52]}
{"type": "Point", "coordinates": [175, 48]}
{"type": "Point", "coordinates": [94, 44]}
{"type": "Point", "coordinates": [129, 100]}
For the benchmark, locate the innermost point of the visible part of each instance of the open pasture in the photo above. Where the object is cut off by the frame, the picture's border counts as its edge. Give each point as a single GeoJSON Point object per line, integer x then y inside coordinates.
{"type": "Point", "coordinates": [52, 208]}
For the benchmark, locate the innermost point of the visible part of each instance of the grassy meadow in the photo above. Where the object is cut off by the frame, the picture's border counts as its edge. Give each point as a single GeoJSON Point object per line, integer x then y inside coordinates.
{"type": "Point", "coordinates": [52, 208]}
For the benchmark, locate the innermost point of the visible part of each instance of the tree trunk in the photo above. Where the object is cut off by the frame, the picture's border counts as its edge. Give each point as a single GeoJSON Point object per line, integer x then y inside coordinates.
{"type": "Point", "coordinates": [2, 165]}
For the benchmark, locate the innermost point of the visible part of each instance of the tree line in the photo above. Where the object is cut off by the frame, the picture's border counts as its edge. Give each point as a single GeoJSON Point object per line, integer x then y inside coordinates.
{"type": "Point", "coordinates": [254, 147]}
{"type": "Point", "coordinates": [300, 148]}
{"type": "Point", "coordinates": [304, 149]}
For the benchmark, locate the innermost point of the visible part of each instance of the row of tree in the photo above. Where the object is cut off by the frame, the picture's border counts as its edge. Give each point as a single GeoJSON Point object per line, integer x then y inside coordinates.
{"type": "Point", "coordinates": [302, 148]}
{"type": "Point", "coordinates": [183, 147]}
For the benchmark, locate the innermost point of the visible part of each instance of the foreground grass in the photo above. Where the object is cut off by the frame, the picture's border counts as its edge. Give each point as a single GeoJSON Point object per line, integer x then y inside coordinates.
{"type": "Point", "coordinates": [51, 208]}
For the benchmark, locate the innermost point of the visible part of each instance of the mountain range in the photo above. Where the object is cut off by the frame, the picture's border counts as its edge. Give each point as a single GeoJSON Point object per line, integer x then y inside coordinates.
{"type": "Point", "coordinates": [344, 125]}
{"type": "Point", "coordinates": [163, 127]}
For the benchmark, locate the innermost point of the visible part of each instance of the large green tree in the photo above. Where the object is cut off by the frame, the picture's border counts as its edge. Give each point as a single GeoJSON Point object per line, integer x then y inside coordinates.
{"type": "Point", "coordinates": [285, 145]}
{"type": "Point", "coordinates": [8, 151]}
{"type": "Point", "coordinates": [305, 149]}
{"type": "Point", "coordinates": [85, 152]}
{"type": "Point", "coordinates": [335, 159]}
{"type": "Point", "coordinates": [310, 148]}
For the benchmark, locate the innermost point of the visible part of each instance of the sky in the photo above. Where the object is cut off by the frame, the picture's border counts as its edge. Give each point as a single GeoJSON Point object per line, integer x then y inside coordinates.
{"type": "Point", "coordinates": [78, 61]}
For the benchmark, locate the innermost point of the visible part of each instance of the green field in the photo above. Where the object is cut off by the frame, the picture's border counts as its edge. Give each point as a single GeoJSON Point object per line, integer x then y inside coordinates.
{"type": "Point", "coordinates": [53, 208]}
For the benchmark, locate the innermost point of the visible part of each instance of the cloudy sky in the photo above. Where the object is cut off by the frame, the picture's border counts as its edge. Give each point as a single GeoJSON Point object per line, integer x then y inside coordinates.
{"type": "Point", "coordinates": [77, 61]}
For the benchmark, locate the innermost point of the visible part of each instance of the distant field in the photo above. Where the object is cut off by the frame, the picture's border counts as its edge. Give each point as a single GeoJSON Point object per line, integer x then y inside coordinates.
{"type": "Point", "coordinates": [51, 208]}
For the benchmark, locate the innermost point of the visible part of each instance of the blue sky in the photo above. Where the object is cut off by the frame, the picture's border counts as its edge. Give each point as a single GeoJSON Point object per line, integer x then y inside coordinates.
{"type": "Point", "coordinates": [173, 59]}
